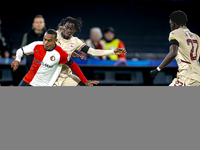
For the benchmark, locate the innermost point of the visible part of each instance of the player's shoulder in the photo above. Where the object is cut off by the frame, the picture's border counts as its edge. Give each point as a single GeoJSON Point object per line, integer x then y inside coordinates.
{"type": "Point", "coordinates": [36, 43]}
{"type": "Point", "coordinates": [60, 50]}
{"type": "Point", "coordinates": [196, 35]}
{"type": "Point", "coordinates": [78, 41]}
{"type": "Point", "coordinates": [75, 39]}
{"type": "Point", "coordinates": [176, 32]}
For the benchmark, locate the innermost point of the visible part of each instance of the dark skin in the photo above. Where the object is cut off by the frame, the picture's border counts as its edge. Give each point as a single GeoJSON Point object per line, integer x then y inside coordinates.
{"type": "Point", "coordinates": [67, 32]}
{"type": "Point", "coordinates": [173, 49]}
{"type": "Point", "coordinates": [49, 42]}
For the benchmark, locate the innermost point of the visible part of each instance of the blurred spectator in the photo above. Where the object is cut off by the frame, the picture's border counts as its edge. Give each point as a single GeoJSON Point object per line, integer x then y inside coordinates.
{"type": "Point", "coordinates": [35, 34]}
{"type": "Point", "coordinates": [95, 41]}
{"type": "Point", "coordinates": [5, 42]}
{"type": "Point", "coordinates": [113, 43]}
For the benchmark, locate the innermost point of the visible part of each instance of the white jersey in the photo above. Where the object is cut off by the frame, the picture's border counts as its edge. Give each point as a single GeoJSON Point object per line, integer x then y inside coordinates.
{"type": "Point", "coordinates": [46, 65]}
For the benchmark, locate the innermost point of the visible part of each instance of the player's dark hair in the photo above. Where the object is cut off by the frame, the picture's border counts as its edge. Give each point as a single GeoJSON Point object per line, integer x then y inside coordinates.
{"type": "Point", "coordinates": [77, 22]}
{"type": "Point", "coordinates": [179, 17]}
{"type": "Point", "coordinates": [52, 31]}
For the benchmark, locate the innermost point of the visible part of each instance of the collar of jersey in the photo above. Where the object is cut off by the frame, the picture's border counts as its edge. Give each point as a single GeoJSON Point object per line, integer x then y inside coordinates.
{"type": "Point", "coordinates": [52, 49]}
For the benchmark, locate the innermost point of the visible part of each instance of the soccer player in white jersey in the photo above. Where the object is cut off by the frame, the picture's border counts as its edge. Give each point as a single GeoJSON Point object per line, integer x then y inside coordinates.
{"type": "Point", "coordinates": [47, 62]}
{"type": "Point", "coordinates": [67, 28]}
{"type": "Point", "coordinates": [185, 48]}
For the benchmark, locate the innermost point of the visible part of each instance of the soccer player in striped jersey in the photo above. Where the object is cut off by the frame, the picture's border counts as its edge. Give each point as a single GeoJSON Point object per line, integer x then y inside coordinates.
{"type": "Point", "coordinates": [185, 48]}
{"type": "Point", "coordinates": [47, 62]}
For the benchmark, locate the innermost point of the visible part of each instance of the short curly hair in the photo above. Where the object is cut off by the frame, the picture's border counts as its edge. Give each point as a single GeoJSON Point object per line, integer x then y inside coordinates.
{"type": "Point", "coordinates": [52, 31]}
{"type": "Point", "coordinates": [77, 22]}
{"type": "Point", "coordinates": [179, 17]}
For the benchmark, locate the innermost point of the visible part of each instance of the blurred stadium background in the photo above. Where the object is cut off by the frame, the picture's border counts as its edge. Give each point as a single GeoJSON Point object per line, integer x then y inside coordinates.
{"type": "Point", "coordinates": [143, 26]}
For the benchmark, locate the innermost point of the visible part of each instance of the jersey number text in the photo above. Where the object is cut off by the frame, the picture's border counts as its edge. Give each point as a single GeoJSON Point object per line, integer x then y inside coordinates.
{"type": "Point", "coordinates": [192, 55]}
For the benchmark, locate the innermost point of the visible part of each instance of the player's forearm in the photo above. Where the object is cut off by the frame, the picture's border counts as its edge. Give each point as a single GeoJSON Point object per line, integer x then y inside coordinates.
{"type": "Point", "coordinates": [97, 52]}
{"type": "Point", "coordinates": [19, 55]}
{"type": "Point", "coordinates": [168, 59]}
{"type": "Point", "coordinates": [75, 68]}
{"type": "Point", "coordinates": [170, 56]}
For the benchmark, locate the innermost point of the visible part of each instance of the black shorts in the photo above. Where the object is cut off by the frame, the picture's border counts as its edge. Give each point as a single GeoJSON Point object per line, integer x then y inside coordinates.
{"type": "Point", "coordinates": [23, 83]}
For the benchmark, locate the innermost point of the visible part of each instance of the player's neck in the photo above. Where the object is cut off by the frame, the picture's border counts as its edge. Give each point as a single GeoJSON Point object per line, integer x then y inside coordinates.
{"type": "Point", "coordinates": [180, 27]}
{"type": "Point", "coordinates": [68, 38]}
{"type": "Point", "coordinates": [183, 27]}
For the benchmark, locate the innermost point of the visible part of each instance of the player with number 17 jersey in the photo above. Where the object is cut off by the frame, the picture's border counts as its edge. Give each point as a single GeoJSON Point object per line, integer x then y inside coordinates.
{"type": "Point", "coordinates": [188, 53]}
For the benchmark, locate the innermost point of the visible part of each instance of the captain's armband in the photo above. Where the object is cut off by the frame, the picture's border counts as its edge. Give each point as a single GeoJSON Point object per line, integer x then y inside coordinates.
{"type": "Point", "coordinates": [85, 49]}
{"type": "Point", "coordinates": [173, 41]}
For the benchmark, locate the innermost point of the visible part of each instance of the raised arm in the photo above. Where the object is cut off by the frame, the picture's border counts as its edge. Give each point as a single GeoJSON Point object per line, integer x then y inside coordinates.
{"type": "Point", "coordinates": [97, 52]}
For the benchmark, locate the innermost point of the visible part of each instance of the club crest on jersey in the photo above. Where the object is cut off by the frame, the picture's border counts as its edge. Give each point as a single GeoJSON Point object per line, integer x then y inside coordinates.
{"type": "Point", "coordinates": [52, 58]}
{"type": "Point", "coordinates": [71, 46]}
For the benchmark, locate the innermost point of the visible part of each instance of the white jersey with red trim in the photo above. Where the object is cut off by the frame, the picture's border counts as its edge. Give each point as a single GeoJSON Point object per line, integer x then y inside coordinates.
{"type": "Point", "coordinates": [46, 65]}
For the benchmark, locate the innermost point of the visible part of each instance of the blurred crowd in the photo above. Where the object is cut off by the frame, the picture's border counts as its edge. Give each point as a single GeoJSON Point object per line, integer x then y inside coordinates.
{"type": "Point", "coordinates": [5, 42]}
{"type": "Point", "coordinates": [97, 40]}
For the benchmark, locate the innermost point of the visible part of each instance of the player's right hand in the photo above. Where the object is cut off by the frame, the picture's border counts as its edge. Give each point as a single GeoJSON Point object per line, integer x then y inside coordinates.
{"type": "Point", "coordinates": [120, 51]}
{"type": "Point", "coordinates": [91, 83]}
{"type": "Point", "coordinates": [154, 73]}
{"type": "Point", "coordinates": [15, 65]}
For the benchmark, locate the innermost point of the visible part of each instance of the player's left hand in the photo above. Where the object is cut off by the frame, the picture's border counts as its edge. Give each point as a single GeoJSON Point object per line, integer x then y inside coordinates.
{"type": "Point", "coordinates": [120, 51]}
{"type": "Point", "coordinates": [91, 83]}
{"type": "Point", "coordinates": [154, 73]}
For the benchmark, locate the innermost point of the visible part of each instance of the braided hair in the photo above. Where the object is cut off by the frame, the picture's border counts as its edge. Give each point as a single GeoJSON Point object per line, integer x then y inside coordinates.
{"type": "Point", "coordinates": [77, 22]}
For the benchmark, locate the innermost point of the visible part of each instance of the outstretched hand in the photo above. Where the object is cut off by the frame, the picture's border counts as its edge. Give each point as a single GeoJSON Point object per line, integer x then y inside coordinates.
{"type": "Point", "coordinates": [77, 55]}
{"type": "Point", "coordinates": [91, 83]}
{"type": "Point", "coordinates": [15, 65]}
{"type": "Point", "coordinates": [120, 51]}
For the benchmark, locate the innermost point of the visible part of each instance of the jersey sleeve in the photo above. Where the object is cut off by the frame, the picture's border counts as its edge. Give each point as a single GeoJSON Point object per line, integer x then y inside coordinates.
{"type": "Point", "coordinates": [173, 38]}
{"type": "Point", "coordinates": [30, 48]}
{"type": "Point", "coordinates": [80, 45]}
{"type": "Point", "coordinates": [98, 52]}
{"type": "Point", "coordinates": [64, 57]}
